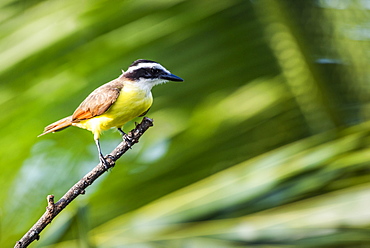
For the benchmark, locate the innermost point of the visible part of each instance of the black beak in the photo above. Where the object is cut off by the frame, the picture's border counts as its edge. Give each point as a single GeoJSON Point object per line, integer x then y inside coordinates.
{"type": "Point", "coordinates": [172, 77]}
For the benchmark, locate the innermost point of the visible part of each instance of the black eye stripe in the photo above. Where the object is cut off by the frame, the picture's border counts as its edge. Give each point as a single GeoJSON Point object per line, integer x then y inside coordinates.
{"type": "Point", "coordinates": [144, 73]}
{"type": "Point", "coordinates": [155, 71]}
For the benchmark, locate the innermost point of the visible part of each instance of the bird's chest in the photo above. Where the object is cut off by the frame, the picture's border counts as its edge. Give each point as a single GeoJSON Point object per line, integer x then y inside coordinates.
{"type": "Point", "coordinates": [131, 103]}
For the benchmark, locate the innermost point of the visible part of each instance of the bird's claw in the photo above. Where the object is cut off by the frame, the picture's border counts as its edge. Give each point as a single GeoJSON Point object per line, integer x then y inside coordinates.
{"type": "Point", "coordinates": [128, 141]}
{"type": "Point", "coordinates": [104, 162]}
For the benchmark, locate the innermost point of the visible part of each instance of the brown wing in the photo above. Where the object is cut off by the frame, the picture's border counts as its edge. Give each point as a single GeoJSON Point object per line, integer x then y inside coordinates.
{"type": "Point", "coordinates": [98, 102]}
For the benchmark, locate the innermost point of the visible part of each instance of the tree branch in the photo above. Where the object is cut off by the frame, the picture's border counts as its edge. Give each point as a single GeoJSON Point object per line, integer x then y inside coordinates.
{"type": "Point", "coordinates": [53, 209]}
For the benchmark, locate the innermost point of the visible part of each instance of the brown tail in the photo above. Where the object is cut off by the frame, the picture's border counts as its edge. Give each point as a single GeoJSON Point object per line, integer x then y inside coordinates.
{"type": "Point", "coordinates": [58, 125]}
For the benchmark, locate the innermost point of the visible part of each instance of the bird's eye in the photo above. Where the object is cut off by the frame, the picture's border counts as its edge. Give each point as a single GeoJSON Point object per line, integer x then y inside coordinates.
{"type": "Point", "coordinates": [154, 71]}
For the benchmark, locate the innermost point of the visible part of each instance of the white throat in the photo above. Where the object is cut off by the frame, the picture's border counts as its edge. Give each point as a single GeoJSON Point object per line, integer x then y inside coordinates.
{"type": "Point", "coordinates": [144, 85]}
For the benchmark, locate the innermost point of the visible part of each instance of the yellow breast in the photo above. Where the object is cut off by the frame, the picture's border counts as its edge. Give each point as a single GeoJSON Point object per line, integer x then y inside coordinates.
{"type": "Point", "coordinates": [132, 102]}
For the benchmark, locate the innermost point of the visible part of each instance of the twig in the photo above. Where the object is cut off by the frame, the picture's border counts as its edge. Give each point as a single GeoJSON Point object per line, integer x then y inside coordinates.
{"type": "Point", "coordinates": [53, 209]}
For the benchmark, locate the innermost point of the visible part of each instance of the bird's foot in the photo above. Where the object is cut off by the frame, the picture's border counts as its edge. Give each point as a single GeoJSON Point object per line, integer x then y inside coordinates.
{"type": "Point", "coordinates": [121, 132]}
{"type": "Point", "coordinates": [126, 138]}
{"type": "Point", "coordinates": [128, 141]}
{"type": "Point", "coordinates": [104, 161]}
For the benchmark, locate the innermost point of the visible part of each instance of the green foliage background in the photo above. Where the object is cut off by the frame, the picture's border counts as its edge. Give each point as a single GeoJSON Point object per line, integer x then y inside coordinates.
{"type": "Point", "coordinates": [266, 144]}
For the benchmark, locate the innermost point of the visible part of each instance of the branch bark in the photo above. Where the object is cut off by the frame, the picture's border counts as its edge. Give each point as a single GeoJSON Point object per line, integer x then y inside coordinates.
{"type": "Point", "coordinates": [53, 209]}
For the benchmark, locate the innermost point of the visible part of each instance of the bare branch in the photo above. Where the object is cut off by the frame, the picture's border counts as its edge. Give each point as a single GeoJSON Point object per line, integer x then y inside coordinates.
{"type": "Point", "coordinates": [53, 209]}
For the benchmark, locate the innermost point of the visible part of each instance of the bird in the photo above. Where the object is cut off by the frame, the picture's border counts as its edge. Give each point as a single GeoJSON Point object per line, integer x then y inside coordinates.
{"type": "Point", "coordinates": [117, 102]}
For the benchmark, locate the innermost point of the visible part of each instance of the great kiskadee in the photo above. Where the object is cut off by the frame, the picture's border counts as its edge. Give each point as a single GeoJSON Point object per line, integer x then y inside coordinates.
{"type": "Point", "coordinates": [117, 102]}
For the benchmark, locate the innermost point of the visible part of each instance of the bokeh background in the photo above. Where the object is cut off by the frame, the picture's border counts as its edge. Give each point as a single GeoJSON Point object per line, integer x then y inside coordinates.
{"type": "Point", "coordinates": [265, 144]}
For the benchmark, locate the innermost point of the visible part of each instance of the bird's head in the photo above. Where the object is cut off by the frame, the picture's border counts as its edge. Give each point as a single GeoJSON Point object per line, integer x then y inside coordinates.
{"type": "Point", "coordinates": [149, 72]}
